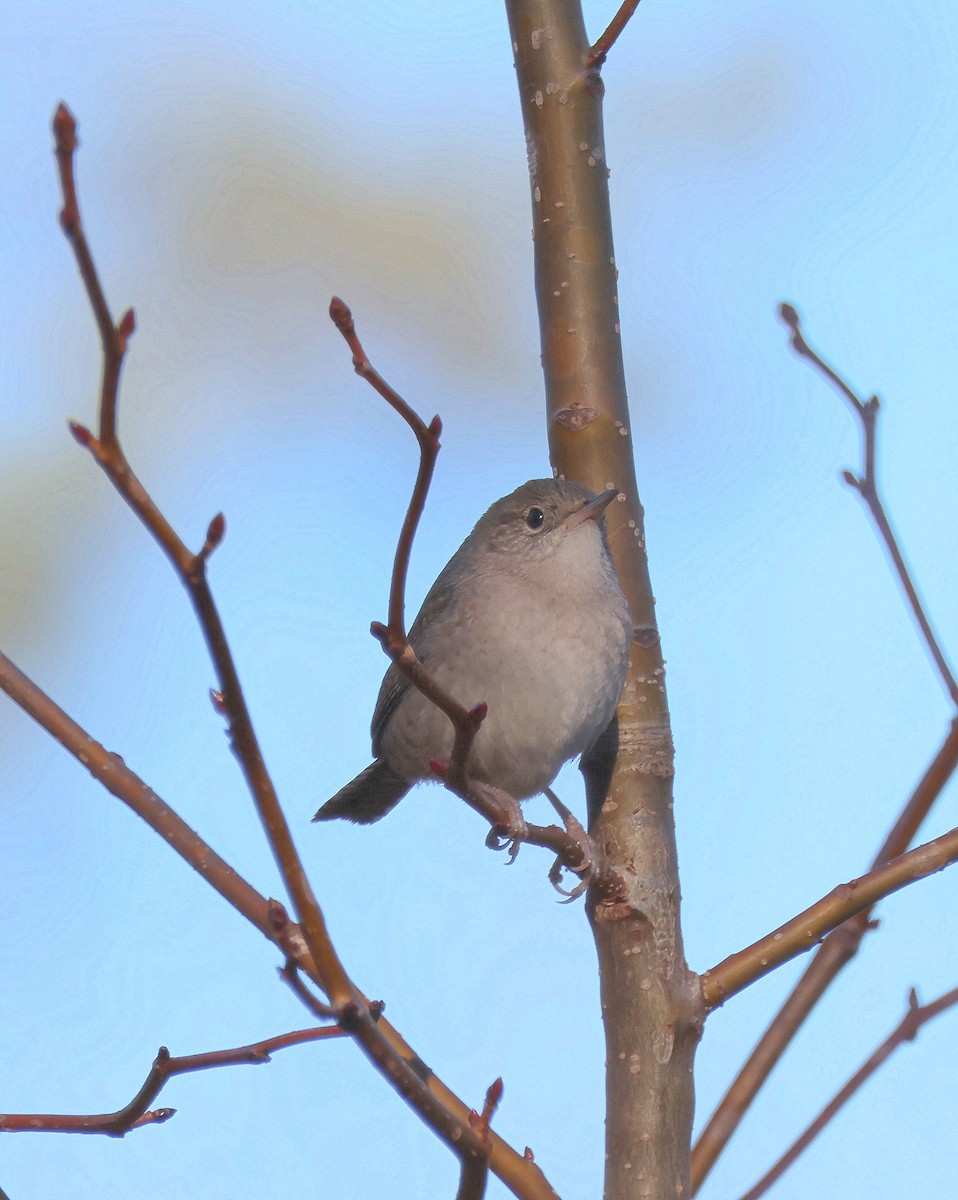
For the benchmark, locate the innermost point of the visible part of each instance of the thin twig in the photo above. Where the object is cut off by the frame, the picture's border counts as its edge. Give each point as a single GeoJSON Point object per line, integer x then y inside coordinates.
{"type": "Point", "coordinates": [475, 1169]}
{"type": "Point", "coordinates": [597, 54]}
{"type": "Point", "coordinates": [809, 927]}
{"type": "Point", "coordinates": [136, 1114]}
{"type": "Point", "coordinates": [866, 484]}
{"type": "Point", "coordinates": [347, 1000]}
{"type": "Point", "coordinates": [289, 973]}
{"type": "Point", "coordinates": [393, 639]}
{"type": "Point", "coordinates": [841, 945]}
{"type": "Point", "coordinates": [906, 1031]}
{"type": "Point", "coordinates": [191, 569]}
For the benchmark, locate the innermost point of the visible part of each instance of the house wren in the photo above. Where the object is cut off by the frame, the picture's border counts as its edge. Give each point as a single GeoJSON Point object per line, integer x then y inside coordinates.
{"type": "Point", "coordinates": [527, 616]}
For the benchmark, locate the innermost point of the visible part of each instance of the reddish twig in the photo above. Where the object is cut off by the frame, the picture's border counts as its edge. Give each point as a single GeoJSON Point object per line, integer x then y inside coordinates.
{"type": "Point", "coordinates": [289, 973]}
{"type": "Point", "coordinates": [597, 53]}
{"type": "Point", "coordinates": [466, 722]}
{"type": "Point", "coordinates": [136, 1114]}
{"type": "Point", "coordinates": [348, 1002]}
{"type": "Point", "coordinates": [841, 945]}
{"type": "Point", "coordinates": [809, 927]}
{"type": "Point", "coordinates": [191, 569]}
{"type": "Point", "coordinates": [428, 438]}
{"type": "Point", "coordinates": [475, 1169]}
{"type": "Point", "coordinates": [866, 484]}
{"type": "Point", "coordinates": [907, 1029]}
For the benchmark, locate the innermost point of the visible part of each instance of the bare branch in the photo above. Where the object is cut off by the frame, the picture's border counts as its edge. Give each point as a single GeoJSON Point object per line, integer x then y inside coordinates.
{"type": "Point", "coordinates": [113, 338]}
{"type": "Point", "coordinates": [836, 951]}
{"type": "Point", "coordinates": [800, 933]}
{"type": "Point", "coordinates": [351, 1008]}
{"type": "Point", "coordinates": [136, 1114]}
{"type": "Point", "coordinates": [906, 1031]}
{"type": "Point", "coordinates": [866, 484]}
{"type": "Point", "coordinates": [475, 1169]}
{"type": "Point", "coordinates": [443, 1105]}
{"type": "Point", "coordinates": [191, 569]}
{"type": "Point", "coordinates": [502, 813]}
{"type": "Point", "coordinates": [597, 54]}
{"type": "Point", "coordinates": [841, 945]}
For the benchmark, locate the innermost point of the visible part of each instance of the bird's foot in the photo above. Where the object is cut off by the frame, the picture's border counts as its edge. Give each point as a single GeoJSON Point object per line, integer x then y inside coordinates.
{"type": "Point", "coordinates": [510, 829]}
{"type": "Point", "coordinates": [587, 864]}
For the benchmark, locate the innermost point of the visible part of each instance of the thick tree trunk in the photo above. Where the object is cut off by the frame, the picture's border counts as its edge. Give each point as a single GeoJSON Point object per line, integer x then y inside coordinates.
{"type": "Point", "coordinates": [649, 998]}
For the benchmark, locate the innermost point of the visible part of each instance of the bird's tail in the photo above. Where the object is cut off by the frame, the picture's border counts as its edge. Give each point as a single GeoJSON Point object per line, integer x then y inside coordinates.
{"type": "Point", "coordinates": [367, 797]}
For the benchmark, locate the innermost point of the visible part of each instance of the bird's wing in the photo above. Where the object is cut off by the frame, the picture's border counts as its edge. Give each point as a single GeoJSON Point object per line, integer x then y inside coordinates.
{"type": "Point", "coordinates": [395, 684]}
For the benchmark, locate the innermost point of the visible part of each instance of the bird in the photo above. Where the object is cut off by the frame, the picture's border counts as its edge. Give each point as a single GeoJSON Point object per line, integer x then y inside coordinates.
{"type": "Point", "coordinates": [527, 617]}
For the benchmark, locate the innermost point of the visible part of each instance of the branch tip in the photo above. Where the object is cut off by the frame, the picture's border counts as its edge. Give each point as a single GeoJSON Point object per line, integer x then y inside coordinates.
{"type": "Point", "coordinates": [341, 316]}
{"type": "Point", "coordinates": [64, 127]}
{"type": "Point", "coordinates": [214, 535]}
{"type": "Point", "coordinates": [127, 325]}
{"type": "Point", "coordinates": [81, 433]}
{"type": "Point", "coordinates": [219, 704]}
{"type": "Point", "coordinates": [789, 314]}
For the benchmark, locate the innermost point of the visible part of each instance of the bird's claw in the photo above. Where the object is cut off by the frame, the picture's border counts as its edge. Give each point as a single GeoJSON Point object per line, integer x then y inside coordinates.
{"type": "Point", "coordinates": [510, 830]}
{"type": "Point", "coordinates": [499, 838]}
{"type": "Point", "coordinates": [586, 867]}
{"type": "Point", "coordinates": [555, 878]}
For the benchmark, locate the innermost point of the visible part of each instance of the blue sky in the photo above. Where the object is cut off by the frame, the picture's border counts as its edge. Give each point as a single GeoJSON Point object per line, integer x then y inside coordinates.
{"type": "Point", "coordinates": [239, 165]}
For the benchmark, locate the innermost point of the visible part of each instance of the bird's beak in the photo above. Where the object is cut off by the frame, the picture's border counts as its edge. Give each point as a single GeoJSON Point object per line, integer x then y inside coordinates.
{"type": "Point", "coordinates": [592, 510]}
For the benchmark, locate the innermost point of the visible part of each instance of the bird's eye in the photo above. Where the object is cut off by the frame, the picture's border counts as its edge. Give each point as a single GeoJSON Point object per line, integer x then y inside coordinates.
{"type": "Point", "coordinates": [534, 517]}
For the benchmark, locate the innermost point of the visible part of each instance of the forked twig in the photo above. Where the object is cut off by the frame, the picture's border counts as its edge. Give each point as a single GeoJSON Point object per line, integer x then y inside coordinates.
{"type": "Point", "coordinates": [600, 49]}
{"type": "Point", "coordinates": [466, 722]}
{"type": "Point", "coordinates": [906, 1030]}
{"type": "Point", "coordinates": [137, 1113]}
{"type": "Point", "coordinates": [866, 484]}
{"type": "Point", "coordinates": [191, 569]}
{"type": "Point", "coordinates": [475, 1169]}
{"type": "Point", "coordinates": [809, 927]}
{"type": "Point", "coordinates": [350, 1006]}
{"type": "Point", "coordinates": [842, 944]}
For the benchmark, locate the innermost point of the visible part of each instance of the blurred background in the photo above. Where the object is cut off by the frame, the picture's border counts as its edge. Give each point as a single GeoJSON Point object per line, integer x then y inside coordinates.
{"type": "Point", "coordinates": [240, 163]}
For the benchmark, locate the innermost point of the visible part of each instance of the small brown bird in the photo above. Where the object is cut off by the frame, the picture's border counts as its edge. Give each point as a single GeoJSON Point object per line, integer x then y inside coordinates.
{"type": "Point", "coordinates": [527, 616]}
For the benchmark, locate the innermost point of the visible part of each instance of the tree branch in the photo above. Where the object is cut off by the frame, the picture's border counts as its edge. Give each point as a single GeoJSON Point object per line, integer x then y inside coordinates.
{"type": "Point", "coordinates": [191, 569]}
{"type": "Point", "coordinates": [475, 1170]}
{"type": "Point", "coordinates": [802, 932]}
{"type": "Point", "coordinates": [835, 952]}
{"type": "Point", "coordinates": [841, 945]}
{"type": "Point", "coordinates": [907, 1029]}
{"type": "Point", "coordinates": [136, 1114]}
{"type": "Point", "coordinates": [515, 1170]}
{"type": "Point", "coordinates": [600, 49]}
{"type": "Point", "coordinates": [466, 722]}
{"type": "Point", "coordinates": [649, 998]}
{"type": "Point", "coordinates": [866, 484]}
{"type": "Point", "coordinates": [351, 1008]}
